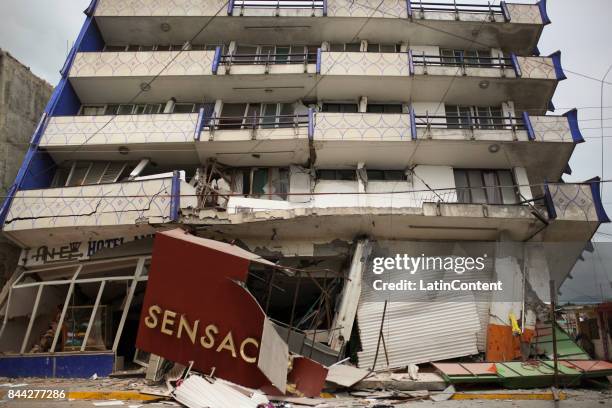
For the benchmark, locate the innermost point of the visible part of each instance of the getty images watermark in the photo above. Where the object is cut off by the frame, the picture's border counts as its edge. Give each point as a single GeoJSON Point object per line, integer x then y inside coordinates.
{"type": "Point", "coordinates": [405, 265]}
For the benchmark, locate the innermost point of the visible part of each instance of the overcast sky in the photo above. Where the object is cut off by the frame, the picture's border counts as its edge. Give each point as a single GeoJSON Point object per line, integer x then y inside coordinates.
{"type": "Point", "coordinates": [38, 32]}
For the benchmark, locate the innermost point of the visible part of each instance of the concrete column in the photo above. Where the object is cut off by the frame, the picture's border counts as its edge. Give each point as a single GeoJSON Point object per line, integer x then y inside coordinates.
{"type": "Point", "coordinates": [232, 47]}
{"type": "Point", "coordinates": [502, 343]}
{"type": "Point", "coordinates": [364, 46]}
{"type": "Point", "coordinates": [325, 46]}
{"type": "Point", "coordinates": [218, 108]}
{"type": "Point", "coordinates": [170, 105]}
{"type": "Point", "coordinates": [347, 308]}
{"type": "Point", "coordinates": [520, 176]}
{"type": "Point", "coordinates": [404, 47]}
{"type": "Point", "coordinates": [363, 104]}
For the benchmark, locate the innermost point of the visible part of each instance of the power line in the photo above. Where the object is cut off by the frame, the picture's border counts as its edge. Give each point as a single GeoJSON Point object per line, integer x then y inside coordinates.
{"type": "Point", "coordinates": [232, 194]}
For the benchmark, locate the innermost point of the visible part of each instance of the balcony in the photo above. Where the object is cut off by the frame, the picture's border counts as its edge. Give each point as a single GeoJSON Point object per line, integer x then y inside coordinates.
{"type": "Point", "coordinates": [104, 210]}
{"type": "Point", "coordinates": [273, 140]}
{"type": "Point", "coordinates": [399, 141]}
{"type": "Point", "coordinates": [419, 214]}
{"type": "Point", "coordinates": [515, 27]}
{"type": "Point", "coordinates": [99, 77]}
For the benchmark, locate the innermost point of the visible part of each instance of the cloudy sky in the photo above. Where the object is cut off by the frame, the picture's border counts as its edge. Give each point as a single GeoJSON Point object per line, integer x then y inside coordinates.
{"type": "Point", "coordinates": [39, 32]}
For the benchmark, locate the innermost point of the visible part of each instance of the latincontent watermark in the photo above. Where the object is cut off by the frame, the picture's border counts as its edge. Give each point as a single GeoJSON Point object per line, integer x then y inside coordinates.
{"type": "Point", "coordinates": [406, 264]}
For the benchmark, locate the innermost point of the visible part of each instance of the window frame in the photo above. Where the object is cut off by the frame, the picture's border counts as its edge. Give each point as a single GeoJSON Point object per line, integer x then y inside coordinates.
{"type": "Point", "coordinates": [468, 190]}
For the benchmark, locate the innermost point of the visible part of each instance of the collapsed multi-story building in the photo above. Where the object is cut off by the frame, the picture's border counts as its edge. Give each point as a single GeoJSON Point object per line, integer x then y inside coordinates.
{"type": "Point", "coordinates": [317, 134]}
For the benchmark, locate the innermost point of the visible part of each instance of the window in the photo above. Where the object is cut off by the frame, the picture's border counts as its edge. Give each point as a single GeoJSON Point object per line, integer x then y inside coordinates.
{"type": "Point", "coordinates": [268, 182]}
{"type": "Point", "coordinates": [186, 107]}
{"type": "Point", "coordinates": [276, 54]}
{"type": "Point", "coordinates": [470, 57]}
{"type": "Point", "coordinates": [114, 48]}
{"type": "Point", "coordinates": [350, 47]}
{"type": "Point", "coordinates": [92, 110]}
{"type": "Point", "coordinates": [480, 117]}
{"type": "Point", "coordinates": [340, 107]}
{"type": "Point", "coordinates": [386, 175]}
{"type": "Point", "coordinates": [485, 187]}
{"type": "Point", "coordinates": [264, 115]}
{"type": "Point", "coordinates": [128, 109]}
{"type": "Point", "coordinates": [384, 108]}
{"type": "Point", "coordinates": [81, 173]}
{"type": "Point", "coordinates": [345, 175]}
{"type": "Point", "coordinates": [125, 109]}
{"type": "Point", "coordinates": [385, 48]}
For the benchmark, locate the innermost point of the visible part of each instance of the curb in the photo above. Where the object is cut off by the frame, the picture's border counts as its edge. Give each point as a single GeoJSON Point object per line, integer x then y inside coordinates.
{"type": "Point", "coordinates": [516, 396]}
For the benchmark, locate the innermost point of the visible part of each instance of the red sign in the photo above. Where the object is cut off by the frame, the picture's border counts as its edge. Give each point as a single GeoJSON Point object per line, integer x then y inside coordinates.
{"type": "Point", "coordinates": [195, 309]}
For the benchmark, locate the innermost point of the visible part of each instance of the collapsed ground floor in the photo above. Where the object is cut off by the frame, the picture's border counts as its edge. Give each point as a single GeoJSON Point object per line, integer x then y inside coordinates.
{"type": "Point", "coordinates": [70, 316]}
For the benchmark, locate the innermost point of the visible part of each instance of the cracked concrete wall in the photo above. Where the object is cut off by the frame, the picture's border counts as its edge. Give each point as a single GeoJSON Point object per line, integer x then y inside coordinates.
{"type": "Point", "coordinates": [23, 97]}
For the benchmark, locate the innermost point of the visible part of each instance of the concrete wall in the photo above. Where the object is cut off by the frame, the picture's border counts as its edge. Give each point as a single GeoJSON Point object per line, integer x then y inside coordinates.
{"type": "Point", "coordinates": [23, 97]}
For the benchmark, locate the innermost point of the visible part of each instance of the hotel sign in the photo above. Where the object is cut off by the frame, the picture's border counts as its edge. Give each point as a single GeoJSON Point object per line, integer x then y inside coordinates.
{"type": "Point", "coordinates": [195, 309]}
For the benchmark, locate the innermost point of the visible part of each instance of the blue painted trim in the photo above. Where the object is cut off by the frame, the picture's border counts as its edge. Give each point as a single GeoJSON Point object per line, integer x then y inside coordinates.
{"type": "Point", "coordinates": [505, 11]}
{"type": "Point", "coordinates": [91, 9]}
{"type": "Point", "coordinates": [550, 206]}
{"type": "Point", "coordinates": [175, 203]}
{"type": "Point", "coordinates": [536, 51]}
{"type": "Point", "coordinates": [543, 12]}
{"type": "Point", "coordinates": [23, 169]}
{"type": "Point", "coordinates": [216, 60]}
{"type": "Point", "coordinates": [567, 169]}
{"type": "Point", "coordinates": [413, 127]}
{"type": "Point", "coordinates": [556, 58]}
{"type": "Point", "coordinates": [319, 60]}
{"type": "Point", "coordinates": [89, 39]}
{"type": "Point", "coordinates": [599, 208]}
{"type": "Point", "coordinates": [199, 125]}
{"type": "Point", "coordinates": [409, 8]}
{"type": "Point", "coordinates": [230, 8]}
{"type": "Point", "coordinates": [64, 102]}
{"type": "Point", "coordinates": [410, 63]}
{"type": "Point", "coordinates": [528, 126]}
{"type": "Point", "coordinates": [572, 119]}
{"type": "Point", "coordinates": [515, 65]}
{"type": "Point", "coordinates": [311, 124]}
{"type": "Point", "coordinates": [551, 106]}
{"type": "Point", "coordinates": [77, 365]}
{"type": "Point", "coordinates": [324, 8]}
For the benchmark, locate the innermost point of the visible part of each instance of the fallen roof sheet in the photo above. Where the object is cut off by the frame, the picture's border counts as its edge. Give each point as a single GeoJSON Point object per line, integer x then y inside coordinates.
{"type": "Point", "coordinates": [517, 374]}
{"type": "Point", "coordinates": [566, 347]}
{"type": "Point", "coordinates": [198, 392]}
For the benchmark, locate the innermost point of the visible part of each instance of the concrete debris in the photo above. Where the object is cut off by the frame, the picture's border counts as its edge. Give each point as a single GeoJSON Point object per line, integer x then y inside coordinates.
{"type": "Point", "coordinates": [444, 395]}
{"type": "Point", "coordinates": [346, 375]}
{"type": "Point", "coordinates": [402, 382]}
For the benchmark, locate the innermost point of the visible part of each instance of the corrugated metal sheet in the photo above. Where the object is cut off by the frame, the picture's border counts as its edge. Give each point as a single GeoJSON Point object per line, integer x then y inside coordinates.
{"type": "Point", "coordinates": [198, 392]}
{"type": "Point", "coordinates": [417, 332]}
{"type": "Point", "coordinates": [424, 326]}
